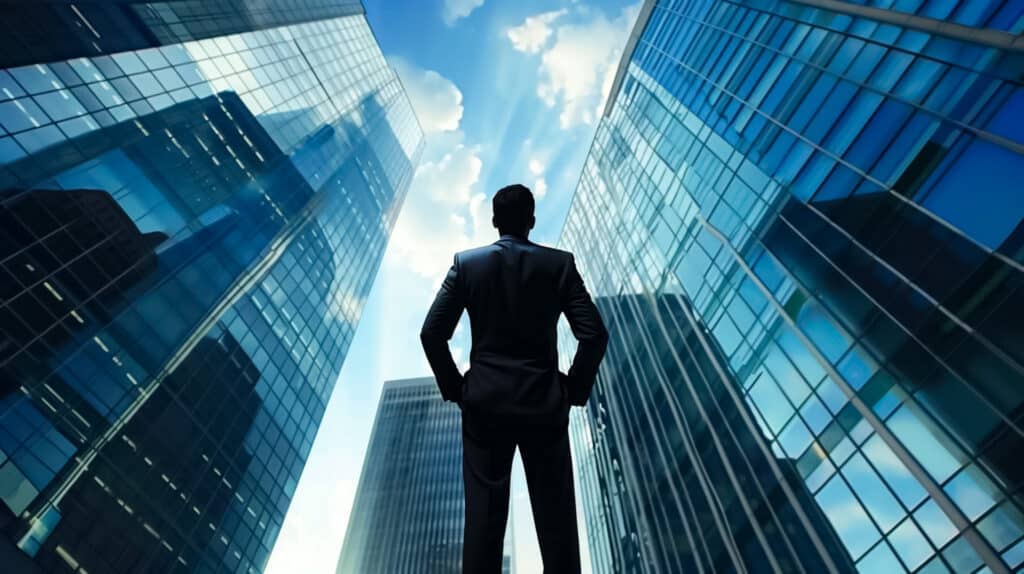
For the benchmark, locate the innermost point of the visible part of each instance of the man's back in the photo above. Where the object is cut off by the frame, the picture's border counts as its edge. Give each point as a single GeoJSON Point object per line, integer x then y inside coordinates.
{"type": "Point", "coordinates": [514, 292]}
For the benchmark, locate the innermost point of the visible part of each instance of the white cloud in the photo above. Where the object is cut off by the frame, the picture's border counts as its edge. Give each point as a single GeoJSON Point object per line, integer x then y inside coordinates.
{"type": "Point", "coordinates": [442, 214]}
{"type": "Point", "coordinates": [455, 9]}
{"type": "Point", "coordinates": [450, 180]}
{"type": "Point", "coordinates": [576, 72]}
{"type": "Point", "coordinates": [436, 99]}
{"type": "Point", "coordinates": [532, 35]}
{"type": "Point", "coordinates": [535, 166]}
{"type": "Point", "coordinates": [540, 188]}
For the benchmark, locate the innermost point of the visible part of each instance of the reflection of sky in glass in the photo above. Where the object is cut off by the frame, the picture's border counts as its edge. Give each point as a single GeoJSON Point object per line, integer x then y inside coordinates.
{"type": "Point", "coordinates": [971, 491]}
{"type": "Point", "coordinates": [787, 376]}
{"type": "Point", "coordinates": [876, 498]}
{"type": "Point", "coordinates": [907, 488]}
{"type": "Point", "coordinates": [880, 559]}
{"type": "Point", "coordinates": [935, 523]}
{"type": "Point", "coordinates": [771, 402]}
{"type": "Point", "coordinates": [931, 453]}
{"type": "Point", "coordinates": [813, 322]}
{"type": "Point", "coordinates": [856, 368]}
{"type": "Point", "coordinates": [847, 516]}
{"type": "Point", "coordinates": [834, 398]}
{"type": "Point", "coordinates": [795, 438]}
{"type": "Point", "coordinates": [910, 544]}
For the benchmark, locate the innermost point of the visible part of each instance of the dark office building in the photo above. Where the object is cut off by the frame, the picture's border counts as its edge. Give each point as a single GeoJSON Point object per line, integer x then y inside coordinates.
{"type": "Point", "coordinates": [409, 511]}
{"type": "Point", "coordinates": [194, 200]}
{"type": "Point", "coordinates": [802, 222]}
{"type": "Point", "coordinates": [169, 469]}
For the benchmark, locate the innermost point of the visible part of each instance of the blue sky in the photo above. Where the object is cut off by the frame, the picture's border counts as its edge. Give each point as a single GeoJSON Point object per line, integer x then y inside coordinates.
{"type": "Point", "coordinates": [506, 92]}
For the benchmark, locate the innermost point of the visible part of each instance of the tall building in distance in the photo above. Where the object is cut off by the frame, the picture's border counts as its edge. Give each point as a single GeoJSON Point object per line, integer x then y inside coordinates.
{"type": "Point", "coordinates": [802, 222]}
{"type": "Point", "coordinates": [409, 511]}
{"type": "Point", "coordinates": [194, 200]}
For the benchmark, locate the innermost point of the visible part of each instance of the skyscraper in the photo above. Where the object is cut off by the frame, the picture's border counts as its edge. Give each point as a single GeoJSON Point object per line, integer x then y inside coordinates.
{"type": "Point", "coordinates": [802, 223]}
{"type": "Point", "coordinates": [409, 511]}
{"type": "Point", "coordinates": [196, 198]}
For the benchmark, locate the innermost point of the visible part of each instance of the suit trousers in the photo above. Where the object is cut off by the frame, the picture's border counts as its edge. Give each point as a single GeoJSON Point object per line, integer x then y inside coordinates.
{"type": "Point", "coordinates": [488, 447]}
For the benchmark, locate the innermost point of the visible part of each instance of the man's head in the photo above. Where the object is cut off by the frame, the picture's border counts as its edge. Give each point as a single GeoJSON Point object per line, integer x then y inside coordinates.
{"type": "Point", "coordinates": [513, 210]}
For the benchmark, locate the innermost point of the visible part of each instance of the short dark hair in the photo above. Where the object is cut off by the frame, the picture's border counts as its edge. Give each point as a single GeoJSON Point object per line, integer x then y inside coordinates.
{"type": "Point", "coordinates": [513, 208]}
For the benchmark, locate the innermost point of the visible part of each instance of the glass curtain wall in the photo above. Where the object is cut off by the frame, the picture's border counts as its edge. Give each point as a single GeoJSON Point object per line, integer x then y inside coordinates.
{"type": "Point", "coordinates": [195, 199]}
{"type": "Point", "coordinates": [802, 223]}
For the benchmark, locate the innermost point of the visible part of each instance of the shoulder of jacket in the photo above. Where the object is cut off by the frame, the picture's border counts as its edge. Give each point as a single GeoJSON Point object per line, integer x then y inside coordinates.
{"type": "Point", "coordinates": [553, 251]}
{"type": "Point", "coordinates": [557, 258]}
{"type": "Point", "coordinates": [470, 254]}
{"type": "Point", "coordinates": [563, 255]}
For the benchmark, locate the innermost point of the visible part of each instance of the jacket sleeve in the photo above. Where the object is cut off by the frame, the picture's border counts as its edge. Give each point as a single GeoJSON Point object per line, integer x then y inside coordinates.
{"type": "Point", "coordinates": [437, 330]}
{"type": "Point", "coordinates": [589, 330]}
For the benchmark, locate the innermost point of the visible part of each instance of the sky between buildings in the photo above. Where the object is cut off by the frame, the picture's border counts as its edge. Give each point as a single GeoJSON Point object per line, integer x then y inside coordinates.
{"type": "Point", "coordinates": [506, 92]}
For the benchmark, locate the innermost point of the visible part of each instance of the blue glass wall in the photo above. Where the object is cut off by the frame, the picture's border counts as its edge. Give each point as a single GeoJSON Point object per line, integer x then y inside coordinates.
{"type": "Point", "coordinates": [62, 29]}
{"type": "Point", "coordinates": [801, 221]}
{"type": "Point", "coordinates": [188, 232]}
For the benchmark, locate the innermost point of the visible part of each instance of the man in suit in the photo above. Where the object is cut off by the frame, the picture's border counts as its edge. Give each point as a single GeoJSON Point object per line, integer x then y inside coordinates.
{"type": "Point", "coordinates": [513, 393]}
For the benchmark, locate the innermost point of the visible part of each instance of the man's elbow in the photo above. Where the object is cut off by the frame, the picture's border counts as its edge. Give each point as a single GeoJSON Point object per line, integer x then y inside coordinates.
{"type": "Point", "coordinates": [431, 338]}
{"type": "Point", "coordinates": [599, 338]}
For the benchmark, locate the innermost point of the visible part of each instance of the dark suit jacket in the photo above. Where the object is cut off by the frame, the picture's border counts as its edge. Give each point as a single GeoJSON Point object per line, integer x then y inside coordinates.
{"type": "Point", "coordinates": [515, 291]}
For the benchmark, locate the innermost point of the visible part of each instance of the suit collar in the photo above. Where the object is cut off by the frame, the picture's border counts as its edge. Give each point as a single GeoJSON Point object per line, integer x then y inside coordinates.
{"type": "Point", "coordinates": [510, 237]}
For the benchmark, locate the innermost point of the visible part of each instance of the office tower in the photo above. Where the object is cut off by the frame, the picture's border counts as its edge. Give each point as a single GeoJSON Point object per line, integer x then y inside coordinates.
{"type": "Point", "coordinates": [409, 511]}
{"type": "Point", "coordinates": [802, 222]}
{"type": "Point", "coordinates": [194, 200]}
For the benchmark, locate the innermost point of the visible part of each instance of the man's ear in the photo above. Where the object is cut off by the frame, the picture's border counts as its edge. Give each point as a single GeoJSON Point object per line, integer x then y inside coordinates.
{"type": "Point", "coordinates": [494, 222]}
{"type": "Point", "coordinates": [533, 220]}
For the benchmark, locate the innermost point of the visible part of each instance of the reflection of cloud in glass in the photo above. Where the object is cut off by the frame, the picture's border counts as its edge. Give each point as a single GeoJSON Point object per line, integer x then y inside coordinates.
{"type": "Point", "coordinates": [972, 492]}
{"type": "Point", "coordinates": [923, 443]}
{"type": "Point", "coordinates": [882, 506]}
{"type": "Point", "coordinates": [935, 523]}
{"type": "Point", "coordinates": [907, 488]}
{"type": "Point", "coordinates": [910, 544]}
{"type": "Point", "coordinates": [847, 517]}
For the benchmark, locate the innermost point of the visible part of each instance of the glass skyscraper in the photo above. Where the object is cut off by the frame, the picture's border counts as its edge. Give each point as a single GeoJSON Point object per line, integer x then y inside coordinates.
{"type": "Point", "coordinates": [194, 200]}
{"type": "Point", "coordinates": [802, 222]}
{"type": "Point", "coordinates": [409, 511]}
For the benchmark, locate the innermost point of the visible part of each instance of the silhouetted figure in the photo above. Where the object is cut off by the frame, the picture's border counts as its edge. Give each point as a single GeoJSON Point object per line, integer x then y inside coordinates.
{"type": "Point", "coordinates": [513, 393]}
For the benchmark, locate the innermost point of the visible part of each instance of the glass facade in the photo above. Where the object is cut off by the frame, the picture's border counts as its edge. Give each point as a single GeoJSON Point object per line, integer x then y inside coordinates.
{"type": "Point", "coordinates": [195, 199]}
{"type": "Point", "coordinates": [802, 223]}
{"type": "Point", "coordinates": [409, 512]}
